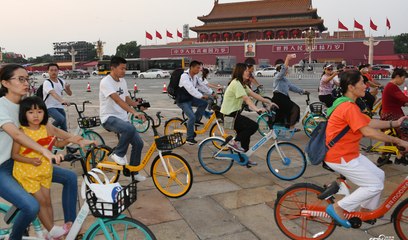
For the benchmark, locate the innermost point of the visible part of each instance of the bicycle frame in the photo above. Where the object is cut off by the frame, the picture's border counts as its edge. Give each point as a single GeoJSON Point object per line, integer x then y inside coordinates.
{"type": "Point", "coordinates": [320, 211]}
{"type": "Point", "coordinates": [237, 156]}
{"type": "Point", "coordinates": [206, 126]}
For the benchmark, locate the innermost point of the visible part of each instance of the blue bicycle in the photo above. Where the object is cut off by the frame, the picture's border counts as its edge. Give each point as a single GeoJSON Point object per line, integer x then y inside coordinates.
{"type": "Point", "coordinates": [285, 160]}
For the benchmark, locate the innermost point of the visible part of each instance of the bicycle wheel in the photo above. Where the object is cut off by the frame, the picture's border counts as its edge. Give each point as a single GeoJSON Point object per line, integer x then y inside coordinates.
{"type": "Point", "coordinates": [121, 229]}
{"type": "Point", "coordinates": [260, 104]}
{"type": "Point", "coordinates": [175, 125]}
{"type": "Point", "coordinates": [263, 127]}
{"type": "Point", "coordinates": [292, 219]}
{"type": "Point", "coordinates": [4, 227]}
{"type": "Point", "coordinates": [91, 135]}
{"type": "Point", "coordinates": [286, 161]}
{"type": "Point", "coordinates": [216, 132]}
{"type": "Point", "coordinates": [400, 219]}
{"type": "Point", "coordinates": [140, 126]}
{"type": "Point", "coordinates": [311, 123]}
{"type": "Point", "coordinates": [180, 178]}
{"type": "Point", "coordinates": [207, 152]}
{"type": "Point", "coordinates": [101, 154]}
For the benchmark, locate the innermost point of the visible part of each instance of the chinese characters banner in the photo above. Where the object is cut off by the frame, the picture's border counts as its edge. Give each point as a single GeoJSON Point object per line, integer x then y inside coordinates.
{"type": "Point", "coordinates": [320, 47]}
{"type": "Point", "coordinates": [198, 51]}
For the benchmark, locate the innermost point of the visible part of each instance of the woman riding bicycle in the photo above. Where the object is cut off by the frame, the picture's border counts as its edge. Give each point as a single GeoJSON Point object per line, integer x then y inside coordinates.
{"type": "Point", "coordinates": [289, 111]}
{"type": "Point", "coordinates": [14, 86]}
{"type": "Point", "coordinates": [393, 99]}
{"type": "Point", "coordinates": [236, 93]}
{"type": "Point", "coordinates": [345, 158]}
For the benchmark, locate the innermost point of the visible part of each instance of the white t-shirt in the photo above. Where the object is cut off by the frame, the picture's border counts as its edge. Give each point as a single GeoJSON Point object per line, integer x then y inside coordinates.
{"type": "Point", "coordinates": [8, 114]}
{"type": "Point", "coordinates": [108, 107]}
{"type": "Point", "coordinates": [51, 102]}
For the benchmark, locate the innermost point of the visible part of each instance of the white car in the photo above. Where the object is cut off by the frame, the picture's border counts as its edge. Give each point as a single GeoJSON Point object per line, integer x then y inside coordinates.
{"type": "Point", "coordinates": [154, 73]}
{"type": "Point", "coordinates": [387, 67]}
{"type": "Point", "coordinates": [46, 75]}
{"type": "Point", "coordinates": [267, 72]}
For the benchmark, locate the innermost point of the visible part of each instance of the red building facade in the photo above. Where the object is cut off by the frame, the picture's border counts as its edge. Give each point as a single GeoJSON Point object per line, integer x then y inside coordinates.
{"type": "Point", "coordinates": [265, 31]}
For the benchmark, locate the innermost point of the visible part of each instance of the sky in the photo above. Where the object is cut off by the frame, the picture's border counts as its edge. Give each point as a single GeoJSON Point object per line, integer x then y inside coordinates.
{"type": "Point", "coordinates": [30, 27]}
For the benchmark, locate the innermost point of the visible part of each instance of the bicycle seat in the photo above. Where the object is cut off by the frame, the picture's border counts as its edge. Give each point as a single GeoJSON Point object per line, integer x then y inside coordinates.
{"type": "Point", "coordinates": [325, 166]}
{"type": "Point", "coordinates": [330, 190]}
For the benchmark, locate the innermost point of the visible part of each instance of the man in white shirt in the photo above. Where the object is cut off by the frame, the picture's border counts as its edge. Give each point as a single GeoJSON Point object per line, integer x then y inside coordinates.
{"type": "Point", "coordinates": [115, 104]}
{"type": "Point", "coordinates": [189, 94]}
{"type": "Point", "coordinates": [53, 89]}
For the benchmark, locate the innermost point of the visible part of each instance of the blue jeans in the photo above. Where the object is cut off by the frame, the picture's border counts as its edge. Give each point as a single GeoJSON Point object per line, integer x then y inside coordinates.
{"type": "Point", "coordinates": [128, 135]}
{"type": "Point", "coordinates": [59, 116]}
{"type": "Point", "coordinates": [192, 117]}
{"type": "Point", "coordinates": [14, 193]}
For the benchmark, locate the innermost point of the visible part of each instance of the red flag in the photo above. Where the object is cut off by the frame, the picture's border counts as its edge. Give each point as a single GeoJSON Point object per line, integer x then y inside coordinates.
{"type": "Point", "coordinates": [388, 24]}
{"type": "Point", "coordinates": [168, 34]}
{"type": "Point", "coordinates": [179, 34]}
{"type": "Point", "coordinates": [372, 25]}
{"type": "Point", "coordinates": [358, 25]}
{"type": "Point", "coordinates": [341, 26]}
{"type": "Point", "coordinates": [149, 36]}
{"type": "Point", "coordinates": [158, 35]}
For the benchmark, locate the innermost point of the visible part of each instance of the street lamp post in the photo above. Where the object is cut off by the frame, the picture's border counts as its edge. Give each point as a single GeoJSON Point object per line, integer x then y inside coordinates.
{"type": "Point", "coordinates": [310, 41]}
{"type": "Point", "coordinates": [72, 52]}
{"type": "Point", "coordinates": [1, 54]}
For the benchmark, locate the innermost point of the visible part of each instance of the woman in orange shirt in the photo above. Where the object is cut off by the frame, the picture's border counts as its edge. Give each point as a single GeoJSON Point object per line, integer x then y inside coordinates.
{"type": "Point", "coordinates": [345, 158]}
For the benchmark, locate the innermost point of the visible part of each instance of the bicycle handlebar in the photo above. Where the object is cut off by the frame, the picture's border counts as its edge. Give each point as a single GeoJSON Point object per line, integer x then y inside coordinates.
{"type": "Point", "coordinates": [83, 107]}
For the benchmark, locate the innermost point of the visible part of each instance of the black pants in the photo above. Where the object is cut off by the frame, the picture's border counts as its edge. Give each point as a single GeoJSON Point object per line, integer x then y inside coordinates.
{"type": "Point", "coordinates": [288, 112]}
{"type": "Point", "coordinates": [244, 128]}
{"type": "Point", "coordinates": [327, 99]}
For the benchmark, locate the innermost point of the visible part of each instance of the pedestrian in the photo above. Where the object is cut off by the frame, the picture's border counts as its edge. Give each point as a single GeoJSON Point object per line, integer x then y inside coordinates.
{"type": "Point", "coordinates": [115, 103]}
{"type": "Point", "coordinates": [53, 89]}
{"type": "Point", "coordinates": [192, 92]}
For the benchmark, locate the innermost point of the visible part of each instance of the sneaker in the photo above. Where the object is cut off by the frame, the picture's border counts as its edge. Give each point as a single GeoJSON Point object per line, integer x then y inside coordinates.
{"type": "Point", "coordinates": [207, 114]}
{"type": "Point", "coordinates": [191, 141]}
{"type": "Point", "coordinates": [57, 232]}
{"type": "Point", "coordinates": [236, 146]}
{"type": "Point", "coordinates": [251, 163]}
{"type": "Point", "coordinates": [382, 161]}
{"type": "Point", "coordinates": [402, 161]}
{"type": "Point", "coordinates": [119, 160]}
{"type": "Point", "coordinates": [139, 177]}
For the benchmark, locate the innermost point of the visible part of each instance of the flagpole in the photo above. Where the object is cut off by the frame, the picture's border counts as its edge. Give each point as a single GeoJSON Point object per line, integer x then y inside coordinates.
{"type": "Point", "coordinates": [386, 28]}
{"type": "Point", "coordinates": [354, 24]}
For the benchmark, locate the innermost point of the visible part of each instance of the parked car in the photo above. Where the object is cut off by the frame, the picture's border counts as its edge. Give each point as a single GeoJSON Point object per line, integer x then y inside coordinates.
{"type": "Point", "coordinates": [379, 72]}
{"type": "Point", "coordinates": [78, 73]}
{"type": "Point", "coordinates": [154, 73]}
{"type": "Point", "coordinates": [387, 67]}
{"type": "Point", "coordinates": [269, 71]}
{"type": "Point", "coordinates": [46, 75]}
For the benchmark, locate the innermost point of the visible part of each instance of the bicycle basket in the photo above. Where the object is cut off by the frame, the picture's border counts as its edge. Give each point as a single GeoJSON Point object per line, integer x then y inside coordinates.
{"type": "Point", "coordinates": [169, 142]}
{"type": "Point", "coordinates": [89, 122]}
{"type": "Point", "coordinates": [125, 197]}
{"type": "Point", "coordinates": [316, 108]}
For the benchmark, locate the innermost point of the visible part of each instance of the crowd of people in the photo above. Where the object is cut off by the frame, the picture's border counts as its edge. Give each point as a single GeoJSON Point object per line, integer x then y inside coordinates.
{"type": "Point", "coordinates": [26, 171]}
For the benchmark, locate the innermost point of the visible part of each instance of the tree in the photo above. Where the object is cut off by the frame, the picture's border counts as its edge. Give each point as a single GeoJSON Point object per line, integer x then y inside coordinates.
{"type": "Point", "coordinates": [401, 43]}
{"type": "Point", "coordinates": [128, 50]}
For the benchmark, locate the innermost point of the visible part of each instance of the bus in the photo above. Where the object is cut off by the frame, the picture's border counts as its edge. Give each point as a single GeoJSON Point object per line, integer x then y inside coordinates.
{"type": "Point", "coordinates": [136, 65]}
{"type": "Point", "coordinates": [133, 66]}
{"type": "Point", "coordinates": [169, 64]}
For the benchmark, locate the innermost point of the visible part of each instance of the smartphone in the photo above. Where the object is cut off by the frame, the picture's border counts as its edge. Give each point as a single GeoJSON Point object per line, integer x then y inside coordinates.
{"type": "Point", "coordinates": [404, 124]}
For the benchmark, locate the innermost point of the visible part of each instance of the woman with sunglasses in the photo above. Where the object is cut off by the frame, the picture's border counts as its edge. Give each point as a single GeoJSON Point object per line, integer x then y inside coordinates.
{"type": "Point", "coordinates": [14, 86]}
{"type": "Point", "coordinates": [326, 85]}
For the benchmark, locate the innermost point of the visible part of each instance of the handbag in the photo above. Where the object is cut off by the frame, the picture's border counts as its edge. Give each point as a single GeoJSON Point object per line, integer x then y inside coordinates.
{"type": "Point", "coordinates": [229, 121]}
{"type": "Point", "coordinates": [103, 190]}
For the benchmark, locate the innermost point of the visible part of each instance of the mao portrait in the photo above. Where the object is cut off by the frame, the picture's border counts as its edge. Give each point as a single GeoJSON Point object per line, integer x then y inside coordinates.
{"type": "Point", "coordinates": [249, 49]}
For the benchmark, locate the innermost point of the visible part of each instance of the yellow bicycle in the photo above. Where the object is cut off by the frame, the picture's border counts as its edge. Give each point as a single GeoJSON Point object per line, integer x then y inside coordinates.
{"type": "Point", "coordinates": [171, 173]}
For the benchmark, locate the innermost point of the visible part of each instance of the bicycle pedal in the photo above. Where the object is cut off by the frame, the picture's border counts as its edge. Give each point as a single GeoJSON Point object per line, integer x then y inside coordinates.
{"type": "Point", "coordinates": [371, 221]}
{"type": "Point", "coordinates": [248, 166]}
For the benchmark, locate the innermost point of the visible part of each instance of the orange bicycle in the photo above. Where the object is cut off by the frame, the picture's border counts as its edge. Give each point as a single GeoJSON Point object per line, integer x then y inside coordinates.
{"type": "Point", "coordinates": [300, 210]}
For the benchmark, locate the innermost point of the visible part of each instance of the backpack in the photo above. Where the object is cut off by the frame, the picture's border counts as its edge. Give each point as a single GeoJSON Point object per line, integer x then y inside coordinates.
{"type": "Point", "coordinates": [39, 92]}
{"type": "Point", "coordinates": [173, 86]}
{"type": "Point", "coordinates": [316, 149]}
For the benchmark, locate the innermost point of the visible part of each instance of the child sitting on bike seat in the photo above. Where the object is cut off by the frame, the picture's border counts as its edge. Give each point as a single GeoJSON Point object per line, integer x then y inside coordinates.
{"type": "Point", "coordinates": [32, 170]}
